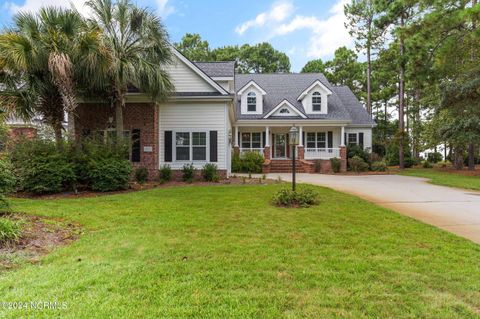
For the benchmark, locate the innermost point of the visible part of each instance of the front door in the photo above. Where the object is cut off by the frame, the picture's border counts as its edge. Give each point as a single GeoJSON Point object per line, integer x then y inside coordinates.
{"type": "Point", "coordinates": [280, 146]}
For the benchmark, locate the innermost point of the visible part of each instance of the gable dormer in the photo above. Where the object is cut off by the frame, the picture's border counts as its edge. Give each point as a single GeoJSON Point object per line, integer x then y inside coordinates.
{"type": "Point", "coordinates": [285, 109]}
{"type": "Point", "coordinates": [315, 98]}
{"type": "Point", "coordinates": [251, 98]}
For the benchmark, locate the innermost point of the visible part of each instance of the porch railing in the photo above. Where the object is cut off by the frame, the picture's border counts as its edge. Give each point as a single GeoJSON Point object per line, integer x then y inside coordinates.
{"type": "Point", "coordinates": [257, 149]}
{"type": "Point", "coordinates": [322, 153]}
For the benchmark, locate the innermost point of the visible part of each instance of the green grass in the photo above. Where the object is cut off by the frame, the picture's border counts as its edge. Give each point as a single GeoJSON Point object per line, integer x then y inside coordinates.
{"type": "Point", "coordinates": [225, 252]}
{"type": "Point", "coordinates": [445, 178]}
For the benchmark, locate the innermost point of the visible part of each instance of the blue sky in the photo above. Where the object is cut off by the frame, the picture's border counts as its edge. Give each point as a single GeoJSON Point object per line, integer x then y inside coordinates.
{"type": "Point", "coordinates": [303, 29]}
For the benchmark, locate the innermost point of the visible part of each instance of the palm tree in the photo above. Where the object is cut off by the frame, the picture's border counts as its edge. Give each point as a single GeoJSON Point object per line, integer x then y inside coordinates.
{"type": "Point", "coordinates": [43, 58]}
{"type": "Point", "coordinates": [139, 50]}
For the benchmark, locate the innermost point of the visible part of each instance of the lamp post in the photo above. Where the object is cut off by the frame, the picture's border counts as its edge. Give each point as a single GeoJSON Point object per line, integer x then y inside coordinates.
{"type": "Point", "coordinates": [293, 139]}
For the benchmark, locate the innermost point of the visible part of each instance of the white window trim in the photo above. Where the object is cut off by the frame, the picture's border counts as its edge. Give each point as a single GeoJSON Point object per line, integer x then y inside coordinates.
{"type": "Point", "coordinates": [256, 102]}
{"type": "Point", "coordinates": [356, 138]}
{"type": "Point", "coordinates": [314, 96]}
{"type": "Point", "coordinates": [311, 87]}
{"type": "Point", "coordinates": [190, 131]}
{"type": "Point", "coordinates": [248, 85]}
{"type": "Point", "coordinates": [316, 139]}
{"type": "Point", "coordinates": [251, 139]}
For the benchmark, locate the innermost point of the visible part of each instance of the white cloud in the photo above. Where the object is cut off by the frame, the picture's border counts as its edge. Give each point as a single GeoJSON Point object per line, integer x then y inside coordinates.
{"type": "Point", "coordinates": [278, 13]}
{"type": "Point", "coordinates": [325, 35]}
{"type": "Point", "coordinates": [164, 9]}
{"type": "Point", "coordinates": [35, 5]}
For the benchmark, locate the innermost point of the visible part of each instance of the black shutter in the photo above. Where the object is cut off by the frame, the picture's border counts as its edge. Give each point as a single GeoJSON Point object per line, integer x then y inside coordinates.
{"type": "Point", "coordinates": [263, 139]}
{"type": "Point", "coordinates": [345, 138]}
{"type": "Point", "coordinates": [360, 139]}
{"type": "Point", "coordinates": [239, 141]}
{"type": "Point", "coordinates": [329, 139]}
{"type": "Point", "coordinates": [213, 146]}
{"type": "Point", "coordinates": [168, 146]}
{"type": "Point", "coordinates": [136, 145]}
{"type": "Point", "coordinates": [303, 139]}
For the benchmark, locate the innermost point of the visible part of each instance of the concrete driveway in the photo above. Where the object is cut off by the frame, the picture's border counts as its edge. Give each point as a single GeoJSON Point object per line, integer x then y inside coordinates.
{"type": "Point", "coordinates": [454, 210]}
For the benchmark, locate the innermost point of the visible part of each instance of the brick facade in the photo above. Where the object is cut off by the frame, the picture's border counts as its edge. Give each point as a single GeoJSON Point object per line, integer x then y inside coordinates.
{"type": "Point", "coordinates": [143, 116]}
{"type": "Point", "coordinates": [23, 132]}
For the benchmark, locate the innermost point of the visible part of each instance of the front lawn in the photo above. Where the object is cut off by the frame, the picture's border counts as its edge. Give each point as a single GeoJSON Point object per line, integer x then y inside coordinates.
{"type": "Point", "coordinates": [225, 252]}
{"type": "Point", "coordinates": [445, 178]}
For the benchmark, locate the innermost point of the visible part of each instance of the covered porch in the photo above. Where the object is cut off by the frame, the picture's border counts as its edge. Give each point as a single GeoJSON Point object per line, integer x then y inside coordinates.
{"type": "Point", "coordinates": [316, 142]}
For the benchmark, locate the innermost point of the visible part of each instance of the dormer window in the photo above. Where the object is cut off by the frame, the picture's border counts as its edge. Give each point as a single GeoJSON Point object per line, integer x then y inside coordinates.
{"type": "Point", "coordinates": [316, 102]}
{"type": "Point", "coordinates": [251, 102]}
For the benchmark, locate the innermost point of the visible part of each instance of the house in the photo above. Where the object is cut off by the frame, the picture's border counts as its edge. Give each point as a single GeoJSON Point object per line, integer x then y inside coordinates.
{"type": "Point", "coordinates": [215, 113]}
{"type": "Point", "coordinates": [19, 128]}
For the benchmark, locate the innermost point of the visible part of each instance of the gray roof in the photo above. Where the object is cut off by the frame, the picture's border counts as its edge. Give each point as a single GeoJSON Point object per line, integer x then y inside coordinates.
{"type": "Point", "coordinates": [217, 69]}
{"type": "Point", "coordinates": [342, 104]}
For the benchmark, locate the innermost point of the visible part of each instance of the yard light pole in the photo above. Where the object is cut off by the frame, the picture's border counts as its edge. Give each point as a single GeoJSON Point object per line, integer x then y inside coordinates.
{"type": "Point", "coordinates": [293, 139]}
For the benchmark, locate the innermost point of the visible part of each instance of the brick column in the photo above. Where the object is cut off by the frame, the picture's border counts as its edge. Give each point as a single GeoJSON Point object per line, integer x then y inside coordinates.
{"type": "Point", "coordinates": [301, 152]}
{"type": "Point", "coordinates": [266, 152]}
{"type": "Point", "coordinates": [343, 159]}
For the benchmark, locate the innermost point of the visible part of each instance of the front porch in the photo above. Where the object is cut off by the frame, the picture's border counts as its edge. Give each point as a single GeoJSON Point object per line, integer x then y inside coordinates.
{"type": "Point", "coordinates": [317, 145]}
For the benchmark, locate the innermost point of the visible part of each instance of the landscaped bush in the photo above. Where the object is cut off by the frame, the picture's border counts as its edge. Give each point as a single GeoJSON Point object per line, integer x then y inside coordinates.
{"type": "Point", "coordinates": [7, 180]}
{"type": "Point", "coordinates": [379, 166]}
{"type": "Point", "coordinates": [41, 168]}
{"type": "Point", "coordinates": [141, 175]}
{"type": "Point", "coordinates": [165, 173]}
{"type": "Point", "coordinates": [357, 164]}
{"type": "Point", "coordinates": [249, 162]}
{"type": "Point", "coordinates": [9, 231]}
{"type": "Point", "coordinates": [301, 198]}
{"type": "Point", "coordinates": [443, 164]}
{"type": "Point", "coordinates": [434, 157]}
{"type": "Point", "coordinates": [357, 150]}
{"type": "Point", "coordinates": [109, 174]}
{"type": "Point", "coordinates": [336, 164]}
{"type": "Point", "coordinates": [427, 164]}
{"type": "Point", "coordinates": [188, 172]}
{"type": "Point", "coordinates": [210, 172]}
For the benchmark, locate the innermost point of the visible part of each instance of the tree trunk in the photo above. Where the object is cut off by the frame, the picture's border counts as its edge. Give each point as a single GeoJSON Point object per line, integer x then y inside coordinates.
{"type": "Point", "coordinates": [71, 126]}
{"type": "Point", "coordinates": [401, 100]}
{"type": "Point", "coordinates": [458, 156]}
{"type": "Point", "coordinates": [416, 129]}
{"type": "Point", "coordinates": [445, 152]}
{"type": "Point", "coordinates": [369, 79]}
{"type": "Point", "coordinates": [119, 105]}
{"type": "Point", "coordinates": [471, 157]}
{"type": "Point", "coordinates": [57, 129]}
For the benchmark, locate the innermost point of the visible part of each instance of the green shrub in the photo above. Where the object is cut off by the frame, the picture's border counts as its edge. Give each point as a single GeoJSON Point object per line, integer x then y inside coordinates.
{"type": "Point", "coordinates": [109, 174]}
{"type": "Point", "coordinates": [336, 164]}
{"type": "Point", "coordinates": [165, 173]}
{"type": "Point", "coordinates": [409, 162]}
{"type": "Point", "coordinates": [357, 164]}
{"type": "Point", "coordinates": [249, 162]}
{"type": "Point", "coordinates": [427, 164]}
{"type": "Point", "coordinates": [434, 157]}
{"type": "Point", "coordinates": [357, 150]}
{"type": "Point", "coordinates": [210, 173]}
{"type": "Point", "coordinates": [7, 180]}
{"type": "Point", "coordinates": [141, 175]}
{"type": "Point", "coordinates": [301, 198]}
{"type": "Point", "coordinates": [188, 172]}
{"type": "Point", "coordinates": [10, 231]}
{"type": "Point", "coordinates": [41, 168]}
{"type": "Point", "coordinates": [379, 166]}
{"type": "Point", "coordinates": [443, 164]}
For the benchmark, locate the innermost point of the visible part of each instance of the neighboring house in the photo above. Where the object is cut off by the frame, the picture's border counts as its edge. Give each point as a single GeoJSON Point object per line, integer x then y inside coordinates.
{"type": "Point", "coordinates": [20, 128]}
{"type": "Point", "coordinates": [215, 112]}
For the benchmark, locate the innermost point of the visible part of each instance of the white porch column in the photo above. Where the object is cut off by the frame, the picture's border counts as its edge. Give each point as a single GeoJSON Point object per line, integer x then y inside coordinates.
{"type": "Point", "coordinates": [236, 136]}
{"type": "Point", "coordinates": [301, 136]}
{"type": "Point", "coordinates": [342, 137]}
{"type": "Point", "coordinates": [267, 136]}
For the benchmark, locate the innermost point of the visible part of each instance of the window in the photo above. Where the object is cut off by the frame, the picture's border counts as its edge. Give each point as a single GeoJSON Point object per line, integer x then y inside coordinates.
{"type": "Point", "coordinates": [199, 145]}
{"type": "Point", "coordinates": [352, 139]}
{"type": "Point", "coordinates": [251, 102]}
{"type": "Point", "coordinates": [316, 102]}
{"type": "Point", "coordinates": [284, 111]}
{"type": "Point", "coordinates": [316, 140]}
{"type": "Point", "coordinates": [182, 146]}
{"type": "Point", "coordinates": [191, 146]}
{"type": "Point", "coordinates": [252, 140]}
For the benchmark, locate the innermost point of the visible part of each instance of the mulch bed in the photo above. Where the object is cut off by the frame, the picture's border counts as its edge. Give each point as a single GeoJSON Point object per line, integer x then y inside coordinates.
{"type": "Point", "coordinates": [39, 236]}
{"type": "Point", "coordinates": [464, 171]}
{"type": "Point", "coordinates": [148, 185]}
